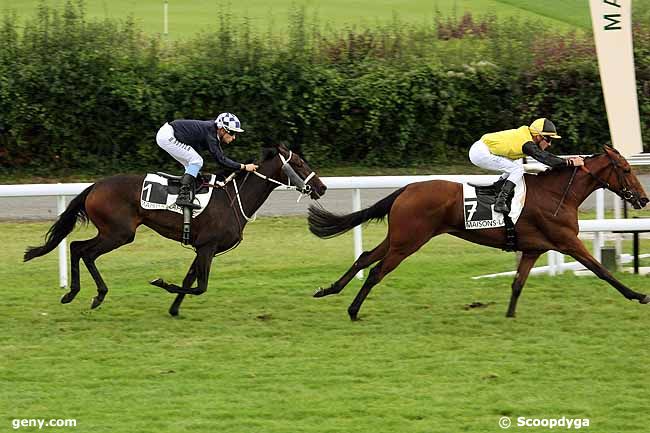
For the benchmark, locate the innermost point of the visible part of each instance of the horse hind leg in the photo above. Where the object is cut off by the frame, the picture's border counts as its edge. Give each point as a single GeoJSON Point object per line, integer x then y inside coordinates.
{"type": "Point", "coordinates": [523, 270]}
{"type": "Point", "coordinates": [385, 266]}
{"type": "Point", "coordinates": [76, 251]}
{"type": "Point", "coordinates": [102, 246]}
{"type": "Point", "coordinates": [366, 259]}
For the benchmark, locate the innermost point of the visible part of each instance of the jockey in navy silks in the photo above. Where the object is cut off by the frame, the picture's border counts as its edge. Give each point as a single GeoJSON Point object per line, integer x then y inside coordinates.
{"type": "Point", "coordinates": [183, 138]}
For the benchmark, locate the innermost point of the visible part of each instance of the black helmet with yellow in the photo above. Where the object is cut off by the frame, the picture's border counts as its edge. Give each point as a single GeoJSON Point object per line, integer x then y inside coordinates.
{"type": "Point", "coordinates": [543, 127]}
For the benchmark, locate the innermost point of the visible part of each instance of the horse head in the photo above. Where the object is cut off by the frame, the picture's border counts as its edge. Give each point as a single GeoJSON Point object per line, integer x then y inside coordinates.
{"type": "Point", "coordinates": [613, 172]}
{"type": "Point", "coordinates": [289, 167]}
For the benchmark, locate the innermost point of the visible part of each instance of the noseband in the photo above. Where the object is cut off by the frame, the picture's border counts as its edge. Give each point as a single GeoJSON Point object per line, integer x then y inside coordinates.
{"type": "Point", "coordinates": [300, 184]}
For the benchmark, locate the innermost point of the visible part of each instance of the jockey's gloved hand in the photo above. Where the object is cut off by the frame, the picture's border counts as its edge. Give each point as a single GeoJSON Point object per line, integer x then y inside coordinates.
{"type": "Point", "coordinates": [576, 161]}
{"type": "Point", "coordinates": [249, 167]}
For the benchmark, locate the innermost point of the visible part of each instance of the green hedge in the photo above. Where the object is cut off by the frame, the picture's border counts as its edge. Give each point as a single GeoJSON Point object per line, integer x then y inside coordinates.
{"type": "Point", "coordinates": [76, 93]}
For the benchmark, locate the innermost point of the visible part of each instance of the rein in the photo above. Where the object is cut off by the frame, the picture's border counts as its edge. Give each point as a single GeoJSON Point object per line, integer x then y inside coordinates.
{"type": "Point", "coordinates": [601, 182]}
{"type": "Point", "coordinates": [241, 208]}
{"type": "Point", "coordinates": [566, 190]}
{"type": "Point", "coordinates": [304, 190]}
{"type": "Point", "coordinates": [624, 192]}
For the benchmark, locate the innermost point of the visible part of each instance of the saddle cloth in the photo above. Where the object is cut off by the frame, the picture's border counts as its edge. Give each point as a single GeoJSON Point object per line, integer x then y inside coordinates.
{"type": "Point", "coordinates": [159, 193]}
{"type": "Point", "coordinates": [478, 205]}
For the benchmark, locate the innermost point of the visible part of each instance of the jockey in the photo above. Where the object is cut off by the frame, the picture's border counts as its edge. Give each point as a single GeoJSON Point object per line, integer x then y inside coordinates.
{"type": "Point", "coordinates": [502, 151]}
{"type": "Point", "coordinates": [182, 139]}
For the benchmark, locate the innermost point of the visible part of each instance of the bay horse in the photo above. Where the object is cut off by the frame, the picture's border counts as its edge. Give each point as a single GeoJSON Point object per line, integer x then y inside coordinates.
{"type": "Point", "coordinates": [113, 206]}
{"type": "Point", "coordinates": [549, 221]}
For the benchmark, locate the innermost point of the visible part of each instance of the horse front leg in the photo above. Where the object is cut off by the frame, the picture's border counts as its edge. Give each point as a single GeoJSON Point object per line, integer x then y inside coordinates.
{"type": "Point", "coordinates": [189, 279]}
{"type": "Point", "coordinates": [526, 263]}
{"type": "Point", "coordinates": [578, 251]}
{"type": "Point", "coordinates": [172, 288]}
{"type": "Point", "coordinates": [199, 270]}
{"type": "Point", "coordinates": [187, 282]}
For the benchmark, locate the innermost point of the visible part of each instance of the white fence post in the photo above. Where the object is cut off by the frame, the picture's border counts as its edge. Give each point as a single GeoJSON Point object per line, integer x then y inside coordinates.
{"type": "Point", "coordinates": [63, 247]}
{"type": "Point", "coordinates": [552, 263]}
{"type": "Point", "coordinates": [559, 262]}
{"type": "Point", "coordinates": [600, 214]}
{"type": "Point", "coordinates": [618, 205]}
{"type": "Point", "coordinates": [165, 18]}
{"type": "Point", "coordinates": [358, 237]}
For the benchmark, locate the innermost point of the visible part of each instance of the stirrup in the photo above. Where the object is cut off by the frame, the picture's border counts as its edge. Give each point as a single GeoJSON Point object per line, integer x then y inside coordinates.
{"type": "Point", "coordinates": [189, 204]}
{"type": "Point", "coordinates": [187, 201]}
{"type": "Point", "coordinates": [505, 209]}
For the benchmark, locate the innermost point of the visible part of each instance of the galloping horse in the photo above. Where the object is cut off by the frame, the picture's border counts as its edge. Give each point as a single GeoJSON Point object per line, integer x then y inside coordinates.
{"type": "Point", "coordinates": [113, 206]}
{"type": "Point", "coordinates": [549, 221]}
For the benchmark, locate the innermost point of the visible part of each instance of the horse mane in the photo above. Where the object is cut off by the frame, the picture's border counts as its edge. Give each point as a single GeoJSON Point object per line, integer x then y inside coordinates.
{"type": "Point", "coordinates": [270, 150]}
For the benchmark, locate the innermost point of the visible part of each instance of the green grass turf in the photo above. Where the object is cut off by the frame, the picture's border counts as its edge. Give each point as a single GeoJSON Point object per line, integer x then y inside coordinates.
{"type": "Point", "coordinates": [189, 16]}
{"type": "Point", "coordinates": [257, 354]}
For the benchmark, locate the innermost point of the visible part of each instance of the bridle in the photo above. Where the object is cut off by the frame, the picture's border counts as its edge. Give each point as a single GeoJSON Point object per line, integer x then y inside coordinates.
{"type": "Point", "coordinates": [624, 192]}
{"type": "Point", "coordinates": [299, 185]}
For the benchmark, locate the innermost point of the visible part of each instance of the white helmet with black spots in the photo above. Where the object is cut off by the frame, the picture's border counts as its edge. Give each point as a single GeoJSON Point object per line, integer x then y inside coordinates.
{"type": "Point", "coordinates": [229, 122]}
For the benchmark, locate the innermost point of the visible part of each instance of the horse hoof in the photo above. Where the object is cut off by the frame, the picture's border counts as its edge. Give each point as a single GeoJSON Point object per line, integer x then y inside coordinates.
{"type": "Point", "coordinates": [645, 300]}
{"type": "Point", "coordinates": [173, 312]}
{"type": "Point", "coordinates": [68, 297]}
{"type": "Point", "coordinates": [319, 293]}
{"type": "Point", "coordinates": [96, 303]}
{"type": "Point", "coordinates": [353, 316]}
{"type": "Point", "coordinates": [158, 282]}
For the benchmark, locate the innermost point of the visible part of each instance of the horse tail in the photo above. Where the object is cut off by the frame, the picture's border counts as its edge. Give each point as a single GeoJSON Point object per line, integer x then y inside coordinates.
{"type": "Point", "coordinates": [63, 226]}
{"type": "Point", "coordinates": [325, 224]}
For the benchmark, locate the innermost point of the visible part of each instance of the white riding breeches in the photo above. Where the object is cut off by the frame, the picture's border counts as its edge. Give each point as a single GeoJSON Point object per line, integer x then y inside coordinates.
{"type": "Point", "coordinates": [181, 152]}
{"type": "Point", "coordinates": [481, 156]}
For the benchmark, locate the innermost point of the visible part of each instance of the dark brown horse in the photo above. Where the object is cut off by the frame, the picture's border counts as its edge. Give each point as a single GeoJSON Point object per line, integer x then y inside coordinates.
{"type": "Point", "coordinates": [113, 206]}
{"type": "Point", "coordinates": [422, 210]}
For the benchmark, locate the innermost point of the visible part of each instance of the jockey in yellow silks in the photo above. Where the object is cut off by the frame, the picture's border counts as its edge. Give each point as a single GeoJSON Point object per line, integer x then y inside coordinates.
{"type": "Point", "coordinates": [501, 151]}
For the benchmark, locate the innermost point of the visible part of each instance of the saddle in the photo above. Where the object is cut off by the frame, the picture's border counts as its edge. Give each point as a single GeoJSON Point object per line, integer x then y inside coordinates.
{"type": "Point", "coordinates": [174, 183]}
{"type": "Point", "coordinates": [487, 194]}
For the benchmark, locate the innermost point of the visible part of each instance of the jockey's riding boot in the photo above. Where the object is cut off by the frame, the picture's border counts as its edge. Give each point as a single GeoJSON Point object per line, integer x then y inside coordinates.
{"type": "Point", "coordinates": [501, 204]}
{"type": "Point", "coordinates": [186, 194]}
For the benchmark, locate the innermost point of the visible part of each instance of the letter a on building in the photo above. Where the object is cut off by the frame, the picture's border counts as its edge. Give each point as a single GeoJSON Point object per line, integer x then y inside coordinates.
{"type": "Point", "coordinates": [612, 24]}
